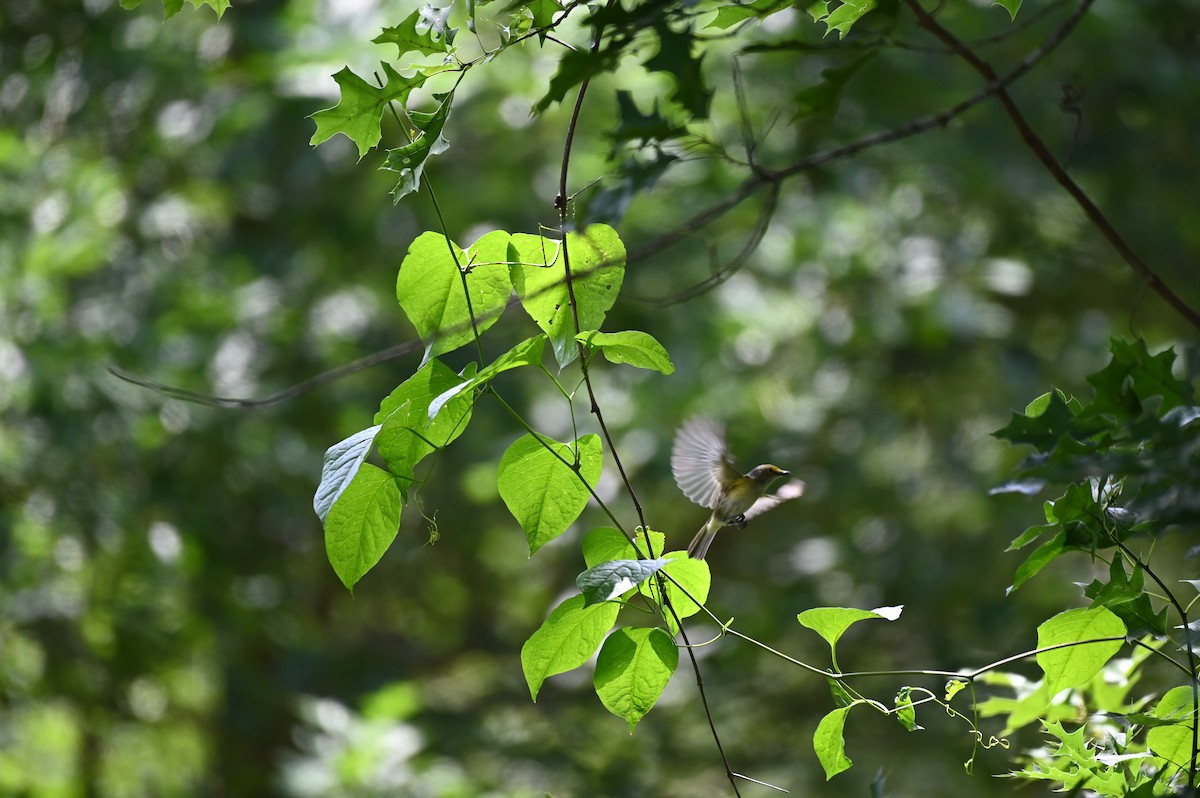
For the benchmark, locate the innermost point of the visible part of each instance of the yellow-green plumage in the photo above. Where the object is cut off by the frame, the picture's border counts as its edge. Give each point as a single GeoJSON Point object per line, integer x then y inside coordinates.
{"type": "Point", "coordinates": [705, 473]}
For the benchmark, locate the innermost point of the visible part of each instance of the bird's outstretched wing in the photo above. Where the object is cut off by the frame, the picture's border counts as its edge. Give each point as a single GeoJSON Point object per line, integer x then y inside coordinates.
{"type": "Point", "coordinates": [700, 461]}
{"type": "Point", "coordinates": [793, 489]}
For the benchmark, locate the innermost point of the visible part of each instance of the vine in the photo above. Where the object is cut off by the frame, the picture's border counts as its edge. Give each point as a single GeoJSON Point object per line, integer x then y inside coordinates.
{"type": "Point", "coordinates": [1120, 458]}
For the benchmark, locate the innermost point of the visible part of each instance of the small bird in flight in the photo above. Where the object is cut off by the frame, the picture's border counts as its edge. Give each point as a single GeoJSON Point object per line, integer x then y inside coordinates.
{"type": "Point", "coordinates": [705, 473]}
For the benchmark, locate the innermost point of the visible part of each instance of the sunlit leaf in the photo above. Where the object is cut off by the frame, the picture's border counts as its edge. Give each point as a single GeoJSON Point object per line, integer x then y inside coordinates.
{"type": "Point", "coordinates": [1042, 556]}
{"type": "Point", "coordinates": [634, 347]}
{"type": "Point", "coordinates": [1072, 666]}
{"type": "Point", "coordinates": [830, 744]}
{"type": "Point", "coordinates": [633, 668]}
{"type": "Point", "coordinates": [408, 434]}
{"type": "Point", "coordinates": [527, 353]}
{"type": "Point", "coordinates": [357, 115]}
{"type": "Point", "coordinates": [733, 13]}
{"type": "Point", "coordinates": [1011, 6]}
{"type": "Point", "coordinates": [541, 487]}
{"type": "Point", "coordinates": [423, 31]}
{"type": "Point", "coordinates": [1172, 744]}
{"type": "Point", "coordinates": [832, 622]}
{"type": "Point", "coordinates": [906, 713]}
{"type": "Point", "coordinates": [605, 543]}
{"type": "Point", "coordinates": [427, 139]}
{"type": "Point", "coordinates": [841, 18]}
{"type": "Point", "coordinates": [362, 523]}
{"type": "Point", "coordinates": [565, 640]}
{"type": "Point", "coordinates": [689, 575]}
{"type": "Point", "coordinates": [342, 461]}
{"type": "Point", "coordinates": [432, 285]}
{"type": "Point", "coordinates": [608, 580]}
{"type": "Point", "coordinates": [539, 276]}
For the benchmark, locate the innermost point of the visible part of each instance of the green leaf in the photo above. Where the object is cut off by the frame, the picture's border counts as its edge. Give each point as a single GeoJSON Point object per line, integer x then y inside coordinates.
{"type": "Point", "coordinates": [565, 640]}
{"type": "Point", "coordinates": [1074, 665]}
{"type": "Point", "coordinates": [906, 713]}
{"type": "Point", "coordinates": [692, 576]}
{"type": "Point", "coordinates": [1029, 535]}
{"type": "Point", "coordinates": [541, 12]}
{"type": "Point", "coordinates": [953, 688]}
{"type": "Point", "coordinates": [1114, 395]}
{"type": "Point", "coordinates": [633, 668]}
{"type": "Point", "coordinates": [730, 15]}
{"type": "Point", "coordinates": [605, 543]}
{"type": "Point", "coordinates": [1046, 419]}
{"type": "Point", "coordinates": [173, 7]}
{"type": "Point", "coordinates": [358, 113]}
{"type": "Point", "coordinates": [642, 128]}
{"type": "Point", "coordinates": [1126, 597]}
{"type": "Point", "coordinates": [1011, 6]}
{"type": "Point", "coordinates": [1119, 587]}
{"type": "Point", "coordinates": [823, 99]}
{"type": "Point", "coordinates": [427, 140]}
{"type": "Point", "coordinates": [1152, 375]}
{"type": "Point", "coordinates": [342, 461]}
{"type": "Point", "coordinates": [430, 288]}
{"type": "Point", "coordinates": [634, 347]}
{"type": "Point", "coordinates": [608, 580]}
{"type": "Point", "coordinates": [1172, 744]}
{"type": "Point", "coordinates": [1020, 712]}
{"type": "Point", "coordinates": [837, 690]}
{"type": "Point", "coordinates": [841, 18]}
{"type": "Point", "coordinates": [832, 622]}
{"type": "Point", "coordinates": [362, 523]}
{"type": "Point", "coordinates": [527, 353]}
{"type": "Point", "coordinates": [539, 276]}
{"type": "Point", "coordinates": [544, 493]}
{"type": "Point", "coordinates": [575, 67]}
{"type": "Point", "coordinates": [675, 58]}
{"type": "Point", "coordinates": [423, 31]}
{"type": "Point", "coordinates": [408, 434]}
{"type": "Point", "coordinates": [1042, 556]}
{"type": "Point", "coordinates": [830, 744]}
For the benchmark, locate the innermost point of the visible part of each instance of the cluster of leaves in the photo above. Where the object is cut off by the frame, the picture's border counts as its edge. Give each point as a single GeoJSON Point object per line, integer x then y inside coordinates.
{"type": "Point", "coordinates": [453, 296]}
{"type": "Point", "coordinates": [1131, 455]}
{"type": "Point", "coordinates": [173, 7]}
{"type": "Point", "coordinates": [1129, 458]}
{"type": "Point", "coordinates": [618, 31]}
{"type": "Point", "coordinates": [1135, 439]}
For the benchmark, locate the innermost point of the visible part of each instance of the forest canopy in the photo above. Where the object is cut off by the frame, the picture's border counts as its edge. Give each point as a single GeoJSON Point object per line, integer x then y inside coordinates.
{"type": "Point", "coordinates": [344, 346]}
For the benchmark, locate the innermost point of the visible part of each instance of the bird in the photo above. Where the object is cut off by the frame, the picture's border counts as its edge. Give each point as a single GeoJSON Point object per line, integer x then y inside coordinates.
{"type": "Point", "coordinates": [704, 471]}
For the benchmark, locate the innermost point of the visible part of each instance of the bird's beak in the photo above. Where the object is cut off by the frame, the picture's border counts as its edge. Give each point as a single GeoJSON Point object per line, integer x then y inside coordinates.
{"type": "Point", "coordinates": [783, 473]}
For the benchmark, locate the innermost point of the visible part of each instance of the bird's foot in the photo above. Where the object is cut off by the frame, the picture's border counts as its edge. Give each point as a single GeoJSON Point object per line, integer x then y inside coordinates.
{"type": "Point", "coordinates": [739, 521]}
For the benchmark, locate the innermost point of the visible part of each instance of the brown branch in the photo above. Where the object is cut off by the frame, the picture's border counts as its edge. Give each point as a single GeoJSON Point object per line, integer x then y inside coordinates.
{"type": "Point", "coordinates": [1039, 148]}
{"type": "Point", "coordinates": [763, 177]}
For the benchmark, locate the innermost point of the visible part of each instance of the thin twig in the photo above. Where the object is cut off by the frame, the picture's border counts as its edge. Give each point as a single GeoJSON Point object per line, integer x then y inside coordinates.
{"type": "Point", "coordinates": [765, 177]}
{"type": "Point", "coordinates": [1039, 149]}
{"type": "Point", "coordinates": [562, 204]}
{"type": "Point", "coordinates": [1189, 649]}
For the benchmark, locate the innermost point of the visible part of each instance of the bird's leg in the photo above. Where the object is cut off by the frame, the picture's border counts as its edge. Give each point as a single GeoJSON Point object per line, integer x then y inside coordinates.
{"type": "Point", "coordinates": [738, 520]}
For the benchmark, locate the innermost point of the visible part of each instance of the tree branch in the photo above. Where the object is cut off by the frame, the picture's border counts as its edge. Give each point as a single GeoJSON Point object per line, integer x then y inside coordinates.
{"type": "Point", "coordinates": [1039, 148]}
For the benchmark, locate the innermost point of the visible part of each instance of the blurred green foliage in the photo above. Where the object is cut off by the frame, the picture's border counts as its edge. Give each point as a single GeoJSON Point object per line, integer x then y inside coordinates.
{"type": "Point", "coordinates": [169, 624]}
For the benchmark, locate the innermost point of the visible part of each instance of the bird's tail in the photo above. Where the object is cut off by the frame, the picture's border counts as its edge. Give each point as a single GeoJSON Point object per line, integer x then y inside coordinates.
{"type": "Point", "coordinates": [698, 548]}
